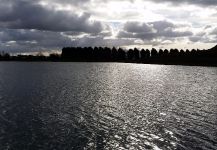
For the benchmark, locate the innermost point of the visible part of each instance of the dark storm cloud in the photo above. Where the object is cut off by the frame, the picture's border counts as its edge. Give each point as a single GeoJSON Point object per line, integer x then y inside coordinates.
{"type": "Point", "coordinates": [31, 15]}
{"type": "Point", "coordinates": [151, 30]}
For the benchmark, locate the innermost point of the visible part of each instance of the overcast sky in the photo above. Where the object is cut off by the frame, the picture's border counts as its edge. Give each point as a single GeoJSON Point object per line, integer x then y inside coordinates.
{"type": "Point", "coordinates": [45, 25]}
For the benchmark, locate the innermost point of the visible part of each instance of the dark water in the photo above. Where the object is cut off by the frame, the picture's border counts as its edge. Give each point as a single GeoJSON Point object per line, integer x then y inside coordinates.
{"type": "Point", "coordinates": [113, 106]}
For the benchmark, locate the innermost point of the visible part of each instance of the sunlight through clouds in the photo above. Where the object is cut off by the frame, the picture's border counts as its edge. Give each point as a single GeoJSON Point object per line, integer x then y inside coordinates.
{"type": "Point", "coordinates": [100, 23]}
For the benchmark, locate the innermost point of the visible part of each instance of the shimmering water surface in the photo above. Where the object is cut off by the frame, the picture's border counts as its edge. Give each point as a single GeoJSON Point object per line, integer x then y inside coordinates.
{"type": "Point", "coordinates": [111, 106]}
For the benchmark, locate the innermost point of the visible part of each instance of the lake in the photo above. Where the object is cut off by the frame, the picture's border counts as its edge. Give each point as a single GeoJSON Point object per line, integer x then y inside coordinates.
{"type": "Point", "coordinates": [117, 106]}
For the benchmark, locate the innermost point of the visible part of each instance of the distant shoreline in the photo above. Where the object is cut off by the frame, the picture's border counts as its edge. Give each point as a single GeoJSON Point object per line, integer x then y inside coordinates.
{"type": "Point", "coordinates": [48, 61]}
{"type": "Point", "coordinates": [105, 54]}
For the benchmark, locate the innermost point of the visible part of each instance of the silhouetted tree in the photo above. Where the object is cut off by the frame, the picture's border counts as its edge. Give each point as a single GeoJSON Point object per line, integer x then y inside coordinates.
{"type": "Point", "coordinates": [54, 57]}
{"type": "Point", "coordinates": [148, 53]}
{"type": "Point", "coordinates": [193, 53]}
{"type": "Point", "coordinates": [154, 53]}
{"type": "Point", "coordinates": [182, 53]}
{"type": "Point", "coordinates": [121, 54]}
{"type": "Point", "coordinates": [114, 54]}
{"type": "Point", "coordinates": [6, 56]}
{"type": "Point", "coordinates": [136, 54]}
{"type": "Point", "coordinates": [130, 55]}
{"type": "Point", "coordinates": [143, 55]}
{"type": "Point", "coordinates": [161, 53]}
{"type": "Point", "coordinates": [187, 53]}
{"type": "Point", "coordinates": [96, 53]}
{"type": "Point", "coordinates": [174, 53]}
{"type": "Point", "coordinates": [107, 54]}
{"type": "Point", "coordinates": [165, 53]}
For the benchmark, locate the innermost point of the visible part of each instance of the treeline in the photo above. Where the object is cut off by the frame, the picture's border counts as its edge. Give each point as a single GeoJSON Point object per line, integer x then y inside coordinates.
{"type": "Point", "coordinates": [153, 56]}
{"type": "Point", "coordinates": [41, 57]}
{"type": "Point", "coordinates": [4, 56]}
{"type": "Point", "coordinates": [106, 54]}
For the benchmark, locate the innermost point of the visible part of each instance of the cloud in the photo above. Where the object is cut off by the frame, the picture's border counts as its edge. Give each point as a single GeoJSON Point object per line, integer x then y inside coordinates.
{"type": "Point", "coordinates": [100, 41]}
{"type": "Point", "coordinates": [27, 25]}
{"type": "Point", "coordinates": [162, 25]}
{"type": "Point", "coordinates": [130, 35]}
{"type": "Point", "coordinates": [137, 27]}
{"type": "Point", "coordinates": [73, 2]}
{"type": "Point", "coordinates": [151, 30]}
{"type": "Point", "coordinates": [17, 40]}
{"type": "Point", "coordinates": [214, 31]}
{"type": "Point", "coordinates": [25, 40]}
{"type": "Point", "coordinates": [31, 15]}
{"type": "Point", "coordinates": [207, 34]}
{"type": "Point", "coordinates": [194, 2]}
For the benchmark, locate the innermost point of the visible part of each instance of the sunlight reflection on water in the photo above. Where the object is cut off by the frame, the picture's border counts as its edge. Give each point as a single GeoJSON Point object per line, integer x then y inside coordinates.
{"type": "Point", "coordinates": [107, 106]}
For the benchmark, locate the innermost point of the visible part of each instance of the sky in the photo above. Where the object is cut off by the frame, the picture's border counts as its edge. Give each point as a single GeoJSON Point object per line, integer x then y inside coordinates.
{"type": "Point", "coordinates": [48, 25]}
